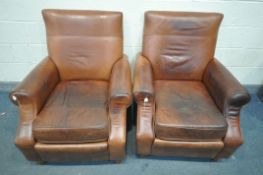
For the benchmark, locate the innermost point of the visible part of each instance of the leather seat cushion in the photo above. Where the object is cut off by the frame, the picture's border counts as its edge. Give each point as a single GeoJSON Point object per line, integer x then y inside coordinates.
{"type": "Point", "coordinates": [185, 111]}
{"type": "Point", "coordinates": [76, 112]}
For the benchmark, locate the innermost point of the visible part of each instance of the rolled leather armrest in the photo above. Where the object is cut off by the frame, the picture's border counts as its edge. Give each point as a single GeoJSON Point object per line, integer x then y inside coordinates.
{"type": "Point", "coordinates": [226, 91]}
{"type": "Point", "coordinates": [120, 83]}
{"type": "Point", "coordinates": [229, 96]}
{"type": "Point", "coordinates": [30, 96]}
{"type": "Point", "coordinates": [35, 88]}
{"type": "Point", "coordinates": [143, 80]}
{"type": "Point", "coordinates": [143, 89]}
{"type": "Point", "coordinates": [120, 98]}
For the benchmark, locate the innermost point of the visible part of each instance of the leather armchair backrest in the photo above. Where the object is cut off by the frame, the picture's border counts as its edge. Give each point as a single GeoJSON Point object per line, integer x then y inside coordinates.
{"type": "Point", "coordinates": [84, 44]}
{"type": "Point", "coordinates": [179, 45]}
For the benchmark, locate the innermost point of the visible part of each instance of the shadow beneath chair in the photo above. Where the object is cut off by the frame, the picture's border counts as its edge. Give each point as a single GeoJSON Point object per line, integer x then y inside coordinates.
{"type": "Point", "coordinates": [187, 159]}
{"type": "Point", "coordinates": [99, 162]}
{"type": "Point", "coordinates": [260, 93]}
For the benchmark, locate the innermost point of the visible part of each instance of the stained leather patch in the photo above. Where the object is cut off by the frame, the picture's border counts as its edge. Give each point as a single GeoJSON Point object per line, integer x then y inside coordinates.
{"type": "Point", "coordinates": [179, 45]}
{"type": "Point", "coordinates": [185, 111]}
{"type": "Point", "coordinates": [76, 112]}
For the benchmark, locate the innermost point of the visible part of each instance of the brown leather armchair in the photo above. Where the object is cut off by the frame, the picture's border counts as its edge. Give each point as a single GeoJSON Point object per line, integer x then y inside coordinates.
{"type": "Point", "coordinates": [188, 104]}
{"type": "Point", "coordinates": [73, 104]}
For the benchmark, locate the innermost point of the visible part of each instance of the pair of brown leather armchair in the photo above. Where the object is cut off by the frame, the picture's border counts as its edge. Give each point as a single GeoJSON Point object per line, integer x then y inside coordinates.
{"type": "Point", "coordinates": [73, 104]}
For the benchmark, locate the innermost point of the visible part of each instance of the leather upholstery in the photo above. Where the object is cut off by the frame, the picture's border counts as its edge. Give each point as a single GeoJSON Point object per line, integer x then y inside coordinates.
{"type": "Point", "coordinates": [76, 112]}
{"type": "Point", "coordinates": [188, 103]}
{"type": "Point", "coordinates": [120, 98]}
{"type": "Point", "coordinates": [143, 79]}
{"type": "Point", "coordinates": [179, 45]}
{"type": "Point", "coordinates": [225, 89]}
{"type": "Point", "coordinates": [143, 89]}
{"type": "Point", "coordinates": [45, 77]}
{"type": "Point", "coordinates": [30, 98]}
{"type": "Point", "coordinates": [186, 112]}
{"type": "Point", "coordinates": [73, 104]}
{"type": "Point", "coordinates": [145, 132]}
{"type": "Point", "coordinates": [229, 96]}
{"type": "Point", "coordinates": [117, 139]}
{"type": "Point", "coordinates": [72, 152]}
{"type": "Point", "coordinates": [84, 44]}
{"type": "Point", "coordinates": [120, 86]}
{"type": "Point", "coordinates": [187, 149]}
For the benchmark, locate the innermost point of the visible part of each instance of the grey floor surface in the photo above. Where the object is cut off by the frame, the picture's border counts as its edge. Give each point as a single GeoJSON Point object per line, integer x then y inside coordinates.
{"type": "Point", "coordinates": [248, 160]}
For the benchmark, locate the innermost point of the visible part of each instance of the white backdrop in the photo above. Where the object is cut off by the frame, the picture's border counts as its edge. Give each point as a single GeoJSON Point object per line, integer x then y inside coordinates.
{"type": "Point", "coordinates": [239, 47]}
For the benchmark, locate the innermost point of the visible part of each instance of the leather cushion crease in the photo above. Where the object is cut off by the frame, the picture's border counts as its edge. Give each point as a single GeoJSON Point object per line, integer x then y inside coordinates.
{"type": "Point", "coordinates": [76, 112]}
{"type": "Point", "coordinates": [185, 111]}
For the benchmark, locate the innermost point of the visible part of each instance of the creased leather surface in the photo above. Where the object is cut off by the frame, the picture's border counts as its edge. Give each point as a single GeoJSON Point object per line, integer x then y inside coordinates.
{"type": "Point", "coordinates": [84, 44]}
{"type": "Point", "coordinates": [76, 112]}
{"type": "Point", "coordinates": [179, 45]}
{"type": "Point", "coordinates": [185, 111]}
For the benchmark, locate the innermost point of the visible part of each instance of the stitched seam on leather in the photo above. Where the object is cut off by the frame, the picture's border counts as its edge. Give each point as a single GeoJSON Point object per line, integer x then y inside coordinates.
{"type": "Point", "coordinates": [60, 128]}
{"type": "Point", "coordinates": [194, 128]}
{"type": "Point", "coordinates": [75, 141]}
{"type": "Point", "coordinates": [190, 139]}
